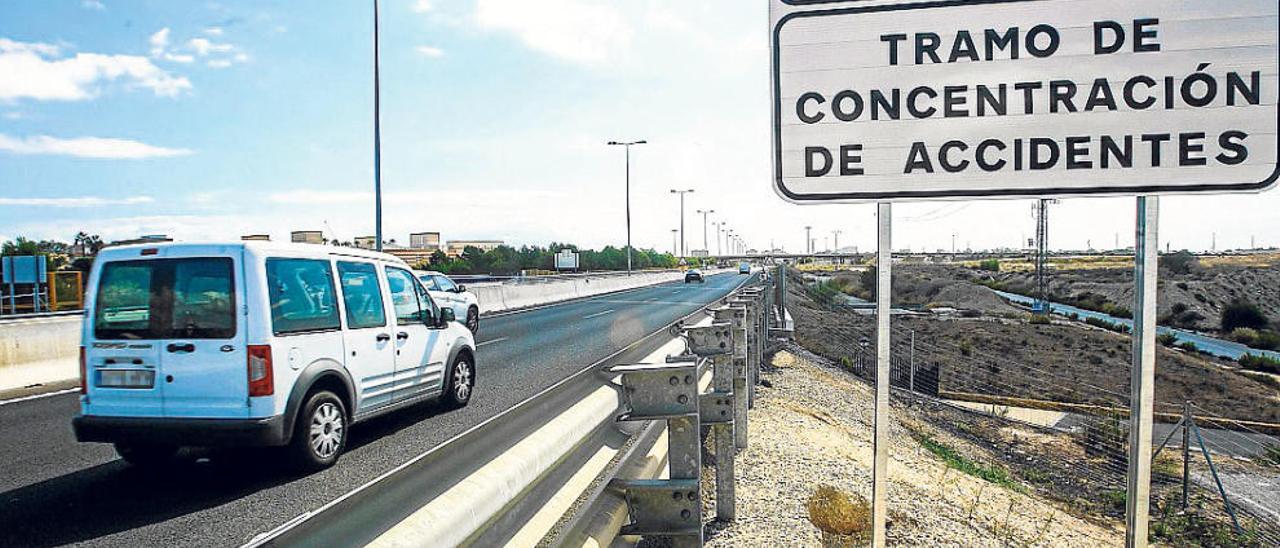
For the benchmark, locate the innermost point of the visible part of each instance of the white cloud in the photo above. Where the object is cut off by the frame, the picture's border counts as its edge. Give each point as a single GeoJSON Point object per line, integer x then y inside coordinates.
{"type": "Point", "coordinates": [218, 63]}
{"type": "Point", "coordinates": [570, 29]}
{"type": "Point", "coordinates": [79, 201]}
{"type": "Point", "coordinates": [159, 42]}
{"type": "Point", "coordinates": [93, 5]}
{"type": "Point", "coordinates": [429, 51]}
{"type": "Point", "coordinates": [213, 31]}
{"type": "Point", "coordinates": [203, 47]}
{"type": "Point", "coordinates": [87, 147]}
{"type": "Point", "coordinates": [421, 6]}
{"type": "Point", "coordinates": [37, 71]}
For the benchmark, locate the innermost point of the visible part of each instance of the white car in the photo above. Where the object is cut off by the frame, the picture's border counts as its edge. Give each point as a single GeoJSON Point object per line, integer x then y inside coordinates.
{"type": "Point", "coordinates": [446, 292]}
{"type": "Point", "coordinates": [258, 344]}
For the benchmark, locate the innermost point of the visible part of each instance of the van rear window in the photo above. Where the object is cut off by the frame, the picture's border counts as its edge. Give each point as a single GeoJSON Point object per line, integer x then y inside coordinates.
{"type": "Point", "coordinates": [166, 299]}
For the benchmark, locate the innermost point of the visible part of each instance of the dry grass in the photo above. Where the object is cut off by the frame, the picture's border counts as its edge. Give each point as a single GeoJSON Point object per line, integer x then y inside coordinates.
{"type": "Point", "coordinates": [843, 518]}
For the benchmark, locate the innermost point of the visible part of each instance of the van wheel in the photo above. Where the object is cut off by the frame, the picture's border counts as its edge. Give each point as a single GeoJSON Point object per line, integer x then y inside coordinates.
{"type": "Point", "coordinates": [320, 434]}
{"type": "Point", "coordinates": [146, 454]}
{"type": "Point", "coordinates": [460, 383]}
{"type": "Point", "coordinates": [473, 320]}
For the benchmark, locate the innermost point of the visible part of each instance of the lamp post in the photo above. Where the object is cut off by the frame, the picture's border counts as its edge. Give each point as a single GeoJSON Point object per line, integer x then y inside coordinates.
{"type": "Point", "coordinates": [718, 225]}
{"type": "Point", "coordinates": [704, 213]}
{"type": "Point", "coordinates": [627, 145]}
{"type": "Point", "coordinates": [682, 240]}
{"type": "Point", "coordinates": [728, 240]}
{"type": "Point", "coordinates": [377, 139]}
{"type": "Point", "coordinates": [808, 242]}
{"type": "Point", "coordinates": [675, 248]}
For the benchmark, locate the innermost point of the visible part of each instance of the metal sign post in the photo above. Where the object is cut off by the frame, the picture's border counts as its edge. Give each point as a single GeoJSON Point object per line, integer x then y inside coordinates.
{"type": "Point", "coordinates": [1142, 382]}
{"type": "Point", "coordinates": [880, 443]}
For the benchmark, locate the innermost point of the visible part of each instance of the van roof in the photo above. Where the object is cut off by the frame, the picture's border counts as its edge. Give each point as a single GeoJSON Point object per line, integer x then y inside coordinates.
{"type": "Point", "coordinates": [264, 247]}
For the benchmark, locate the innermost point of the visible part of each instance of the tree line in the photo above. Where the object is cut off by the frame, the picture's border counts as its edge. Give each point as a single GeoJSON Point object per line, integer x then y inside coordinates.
{"type": "Point", "coordinates": [507, 260]}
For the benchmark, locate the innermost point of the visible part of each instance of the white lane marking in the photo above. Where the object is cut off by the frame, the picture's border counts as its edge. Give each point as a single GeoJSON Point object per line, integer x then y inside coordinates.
{"type": "Point", "coordinates": [598, 314]}
{"type": "Point", "coordinates": [39, 396]}
{"type": "Point", "coordinates": [491, 341]}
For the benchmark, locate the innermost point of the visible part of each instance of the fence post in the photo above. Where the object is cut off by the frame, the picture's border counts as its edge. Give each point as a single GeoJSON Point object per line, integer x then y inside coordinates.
{"type": "Point", "coordinates": [1186, 451]}
{"type": "Point", "coordinates": [740, 356]}
{"type": "Point", "coordinates": [715, 342]}
{"type": "Point", "coordinates": [666, 507]}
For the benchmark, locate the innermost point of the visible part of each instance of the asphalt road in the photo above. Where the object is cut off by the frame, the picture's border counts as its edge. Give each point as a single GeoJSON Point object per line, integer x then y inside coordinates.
{"type": "Point", "coordinates": [55, 491]}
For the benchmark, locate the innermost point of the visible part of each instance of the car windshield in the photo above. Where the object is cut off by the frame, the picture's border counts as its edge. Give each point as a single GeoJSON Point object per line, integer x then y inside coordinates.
{"type": "Point", "coordinates": [166, 299]}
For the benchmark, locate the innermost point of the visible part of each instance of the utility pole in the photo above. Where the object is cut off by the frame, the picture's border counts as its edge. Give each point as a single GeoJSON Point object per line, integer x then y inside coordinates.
{"type": "Point", "coordinates": [718, 225]}
{"type": "Point", "coordinates": [953, 243]}
{"type": "Point", "coordinates": [682, 238]}
{"type": "Point", "coordinates": [705, 247]}
{"type": "Point", "coordinates": [377, 139]}
{"type": "Point", "coordinates": [808, 242]}
{"type": "Point", "coordinates": [675, 248]}
{"type": "Point", "coordinates": [1042, 251]}
{"type": "Point", "coordinates": [837, 234]}
{"type": "Point", "coordinates": [628, 145]}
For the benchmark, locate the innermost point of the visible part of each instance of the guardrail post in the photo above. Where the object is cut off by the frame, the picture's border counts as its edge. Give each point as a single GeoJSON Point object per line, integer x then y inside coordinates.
{"type": "Point", "coordinates": [666, 507]}
{"type": "Point", "coordinates": [717, 407]}
{"type": "Point", "coordinates": [736, 313]}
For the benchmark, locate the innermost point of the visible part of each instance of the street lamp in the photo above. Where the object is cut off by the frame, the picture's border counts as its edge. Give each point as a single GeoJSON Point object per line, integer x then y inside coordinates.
{"type": "Point", "coordinates": [718, 225]}
{"type": "Point", "coordinates": [704, 213]}
{"type": "Point", "coordinates": [808, 242]}
{"type": "Point", "coordinates": [682, 240]}
{"type": "Point", "coordinates": [377, 139]}
{"type": "Point", "coordinates": [675, 248]}
{"type": "Point", "coordinates": [628, 147]}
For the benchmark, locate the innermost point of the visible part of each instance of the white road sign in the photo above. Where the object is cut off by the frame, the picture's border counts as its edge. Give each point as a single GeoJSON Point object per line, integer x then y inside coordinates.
{"type": "Point", "coordinates": [879, 100]}
{"type": "Point", "coordinates": [567, 259]}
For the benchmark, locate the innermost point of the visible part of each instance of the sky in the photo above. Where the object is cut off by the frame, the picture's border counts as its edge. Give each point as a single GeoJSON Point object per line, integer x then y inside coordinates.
{"type": "Point", "coordinates": [211, 120]}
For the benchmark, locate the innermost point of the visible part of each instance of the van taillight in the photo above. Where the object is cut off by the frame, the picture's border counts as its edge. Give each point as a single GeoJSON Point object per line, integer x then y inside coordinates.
{"type": "Point", "coordinates": [261, 380]}
{"type": "Point", "coordinates": [84, 371]}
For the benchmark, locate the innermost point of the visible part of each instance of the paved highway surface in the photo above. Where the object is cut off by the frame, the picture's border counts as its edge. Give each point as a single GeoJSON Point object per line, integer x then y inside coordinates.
{"type": "Point", "coordinates": [55, 491]}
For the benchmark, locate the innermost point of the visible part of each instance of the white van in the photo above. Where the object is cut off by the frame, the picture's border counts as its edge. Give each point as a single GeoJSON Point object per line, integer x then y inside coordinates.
{"type": "Point", "coordinates": [258, 344]}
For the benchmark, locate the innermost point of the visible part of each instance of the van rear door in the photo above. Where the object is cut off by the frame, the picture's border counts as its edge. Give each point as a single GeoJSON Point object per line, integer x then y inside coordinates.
{"type": "Point", "coordinates": [121, 359]}
{"type": "Point", "coordinates": [203, 357]}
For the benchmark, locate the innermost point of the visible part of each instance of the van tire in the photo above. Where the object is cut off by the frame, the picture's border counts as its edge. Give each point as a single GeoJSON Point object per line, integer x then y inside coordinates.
{"type": "Point", "coordinates": [454, 396]}
{"type": "Point", "coordinates": [146, 455]}
{"type": "Point", "coordinates": [324, 410]}
{"type": "Point", "coordinates": [473, 320]}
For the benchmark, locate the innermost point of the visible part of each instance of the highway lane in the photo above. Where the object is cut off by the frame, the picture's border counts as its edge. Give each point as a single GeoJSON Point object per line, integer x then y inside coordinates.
{"type": "Point", "coordinates": [55, 491]}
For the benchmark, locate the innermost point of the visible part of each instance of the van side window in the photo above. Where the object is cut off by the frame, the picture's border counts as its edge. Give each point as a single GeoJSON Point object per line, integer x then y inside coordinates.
{"type": "Point", "coordinates": [361, 295]}
{"type": "Point", "coordinates": [404, 296]}
{"type": "Point", "coordinates": [302, 296]}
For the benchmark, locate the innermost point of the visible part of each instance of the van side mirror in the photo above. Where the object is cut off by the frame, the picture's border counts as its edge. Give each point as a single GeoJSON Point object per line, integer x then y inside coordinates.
{"type": "Point", "coordinates": [446, 316]}
{"type": "Point", "coordinates": [460, 289]}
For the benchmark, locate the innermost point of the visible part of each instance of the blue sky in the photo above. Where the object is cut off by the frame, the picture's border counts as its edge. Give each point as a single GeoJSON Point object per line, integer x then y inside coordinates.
{"type": "Point", "coordinates": [209, 120]}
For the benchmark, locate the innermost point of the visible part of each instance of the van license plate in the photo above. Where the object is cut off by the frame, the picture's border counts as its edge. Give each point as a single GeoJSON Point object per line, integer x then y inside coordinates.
{"type": "Point", "coordinates": [126, 378]}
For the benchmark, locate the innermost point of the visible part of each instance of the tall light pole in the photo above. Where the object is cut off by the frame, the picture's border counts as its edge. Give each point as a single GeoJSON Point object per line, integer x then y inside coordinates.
{"type": "Point", "coordinates": [837, 234]}
{"type": "Point", "coordinates": [718, 225]}
{"type": "Point", "coordinates": [728, 241]}
{"type": "Point", "coordinates": [682, 239]}
{"type": "Point", "coordinates": [628, 147]}
{"type": "Point", "coordinates": [675, 248]}
{"type": "Point", "coordinates": [808, 242]}
{"type": "Point", "coordinates": [377, 139]}
{"type": "Point", "coordinates": [705, 247]}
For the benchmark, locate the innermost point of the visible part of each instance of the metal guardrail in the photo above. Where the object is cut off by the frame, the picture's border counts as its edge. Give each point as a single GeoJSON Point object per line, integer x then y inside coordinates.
{"type": "Point", "coordinates": [365, 514]}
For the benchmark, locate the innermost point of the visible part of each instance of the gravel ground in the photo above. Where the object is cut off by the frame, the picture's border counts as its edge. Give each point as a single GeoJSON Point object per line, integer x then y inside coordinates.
{"type": "Point", "coordinates": [813, 427]}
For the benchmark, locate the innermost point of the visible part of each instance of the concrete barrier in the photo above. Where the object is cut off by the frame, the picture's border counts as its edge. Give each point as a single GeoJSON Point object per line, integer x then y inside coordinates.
{"type": "Point", "coordinates": [44, 350]}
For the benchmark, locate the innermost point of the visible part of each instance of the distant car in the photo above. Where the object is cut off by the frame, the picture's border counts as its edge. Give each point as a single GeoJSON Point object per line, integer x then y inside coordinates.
{"type": "Point", "coordinates": [694, 275]}
{"type": "Point", "coordinates": [744, 268]}
{"type": "Point", "coordinates": [453, 295]}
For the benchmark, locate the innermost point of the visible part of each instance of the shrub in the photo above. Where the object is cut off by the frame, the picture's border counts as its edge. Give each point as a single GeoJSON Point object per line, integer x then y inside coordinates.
{"type": "Point", "coordinates": [990, 265]}
{"type": "Point", "coordinates": [835, 512]}
{"type": "Point", "coordinates": [1260, 363]}
{"type": "Point", "coordinates": [1242, 313]}
{"type": "Point", "coordinates": [1167, 339]}
{"type": "Point", "coordinates": [966, 349]}
{"type": "Point", "coordinates": [1040, 319]}
{"type": "Point", "coordinates": [1244, 335]}
{"type": "Point", "coordinates": [1099, 322]}
{"type": "Point", "coordinates": [1189, 346]}
{"type": "Point", "coordinates": [1179, 263]}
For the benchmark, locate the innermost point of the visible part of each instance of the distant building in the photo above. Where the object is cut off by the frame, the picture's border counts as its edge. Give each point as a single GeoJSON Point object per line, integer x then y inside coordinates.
{"type": "Point", "coordinates": [424, 240]}
{"type": "Point", "coordinates": [456, 247]}
{"type": "Point", "coordinates": [307, 237]}
{"type": "Point", "coordinates": [256, 238]}
{"type": "Point", "coordinates": [366, 242]}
